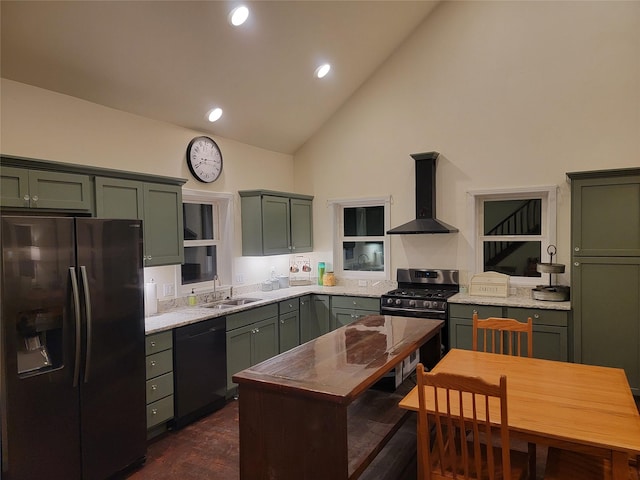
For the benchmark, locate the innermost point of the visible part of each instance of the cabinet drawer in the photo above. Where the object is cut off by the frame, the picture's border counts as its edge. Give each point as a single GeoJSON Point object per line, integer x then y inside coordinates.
{"type": "Point", "coordinates": [253, 315]}
{"type": "Point", "coordinates": [159, 363]}
{"type": "Point", "coordinates": [360, 303]}
{"type": "Point", "coordinates": [158, 342]}
{"type": "Point", "coordinates": [159, 387]}
{"type": "Point", "coordinates": [160, 411]}
{"type": "Point", "coordinates": [539, 316]}
{"type": "Point", "coordinates": [466, 311]}
{"type": "Point", "coordinates": [288, 306]}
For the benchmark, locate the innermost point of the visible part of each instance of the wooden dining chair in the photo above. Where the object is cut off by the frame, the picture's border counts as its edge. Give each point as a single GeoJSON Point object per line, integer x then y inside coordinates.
{"type": "Point", "coordinates": [444, 449]}
{"type": "Point", "coordinates": [498, 335]}
{"type": "Point", "coordinates": [568, 465]}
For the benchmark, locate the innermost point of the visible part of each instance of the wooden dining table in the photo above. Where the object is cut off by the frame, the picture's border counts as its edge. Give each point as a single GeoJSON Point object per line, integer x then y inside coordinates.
{"type": "Point", "coordinates": [579, 407]}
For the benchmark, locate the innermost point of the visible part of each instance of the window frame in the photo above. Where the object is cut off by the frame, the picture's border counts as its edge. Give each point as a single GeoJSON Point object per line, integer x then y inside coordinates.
{"type": "Point", "coordinates": [338, 206]}
{"type": "Point", "coordinates": [476, 199]}
{"type": "Point", "coordinates": [222, 211]}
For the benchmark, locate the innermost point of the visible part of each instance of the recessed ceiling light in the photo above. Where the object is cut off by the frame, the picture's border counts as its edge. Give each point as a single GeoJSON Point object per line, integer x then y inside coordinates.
{"type": "Point", "coordinates": [322, 70]}
{"type": "Point", "coordinates": [215, 114]}
{"type": "Point", "coordinates": [238, 15]}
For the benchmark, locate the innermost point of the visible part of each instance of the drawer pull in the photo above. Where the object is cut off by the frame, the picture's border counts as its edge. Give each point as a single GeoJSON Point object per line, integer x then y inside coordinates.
{"type": "Point", "coordinates": [152, 363]}
{"type": "Point", "coordinates": [154, 387]}
{"type": "Point", "coordinates": [154, 411]}
{"type": "Point", "coordinates": [536, 315]}
{"type": "Point", "coordinates": [153, 344]}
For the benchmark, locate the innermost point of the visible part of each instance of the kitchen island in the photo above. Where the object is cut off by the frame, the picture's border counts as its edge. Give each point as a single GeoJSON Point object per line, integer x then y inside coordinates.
{"type": "Point", "coordinates": [311, 412]}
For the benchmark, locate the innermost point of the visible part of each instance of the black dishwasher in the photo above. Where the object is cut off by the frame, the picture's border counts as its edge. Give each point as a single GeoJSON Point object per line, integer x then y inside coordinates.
{"type": "Point", "coordinates": [199, 369]}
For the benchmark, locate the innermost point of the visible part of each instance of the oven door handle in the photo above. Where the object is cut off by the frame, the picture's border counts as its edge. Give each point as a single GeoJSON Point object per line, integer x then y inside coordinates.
{"type": "Point", "coordinates": [400, 309]}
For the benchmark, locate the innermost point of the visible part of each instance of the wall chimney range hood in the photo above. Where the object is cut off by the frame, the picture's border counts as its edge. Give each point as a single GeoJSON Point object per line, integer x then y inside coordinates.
{"type": "Point", "coordinates": [425, 221]}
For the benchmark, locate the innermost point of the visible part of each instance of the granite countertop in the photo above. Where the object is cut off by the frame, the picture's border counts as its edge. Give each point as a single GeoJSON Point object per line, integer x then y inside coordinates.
{"type": "Point", "coordinates": [519, 300]}
{"type": "Point", "coordinates": [181, 316]}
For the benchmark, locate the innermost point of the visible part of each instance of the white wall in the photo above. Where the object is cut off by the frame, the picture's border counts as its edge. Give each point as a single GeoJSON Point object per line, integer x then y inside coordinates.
{"type": "Point", "coordinates": [513, 94]}
{"type": "Point", "coordinates": [41, 124]}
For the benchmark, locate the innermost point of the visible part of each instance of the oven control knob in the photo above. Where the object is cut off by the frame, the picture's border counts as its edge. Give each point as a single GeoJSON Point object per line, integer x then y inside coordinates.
{"type": "Point", "coordinates": [398, 301]}
{"type": "Point", "coordinates": [427, 304]}
{"type": "Point", "coordinates": [412, 303]}
{"type": "Point", "coordinates": [389, 301]}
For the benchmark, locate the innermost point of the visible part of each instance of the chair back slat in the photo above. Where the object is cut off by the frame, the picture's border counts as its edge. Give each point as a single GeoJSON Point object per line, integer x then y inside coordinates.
{"type": "Point", "coordinates": [502, 335]}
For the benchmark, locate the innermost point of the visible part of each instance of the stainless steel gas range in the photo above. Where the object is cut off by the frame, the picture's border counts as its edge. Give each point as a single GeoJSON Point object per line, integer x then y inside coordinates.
{"type": "Point", "coordinates": [423, 293]}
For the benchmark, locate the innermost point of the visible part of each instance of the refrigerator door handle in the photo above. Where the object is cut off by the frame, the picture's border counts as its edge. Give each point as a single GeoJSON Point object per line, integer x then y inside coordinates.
{"type": "Point", "coordinates": [87, 310]}
{"type": "Point", "coordinates": [76, 314]}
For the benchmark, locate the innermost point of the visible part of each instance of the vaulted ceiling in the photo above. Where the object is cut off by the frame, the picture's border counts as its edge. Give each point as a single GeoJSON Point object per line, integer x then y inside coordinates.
{"type": "Point", "coordinates": [175, 60]}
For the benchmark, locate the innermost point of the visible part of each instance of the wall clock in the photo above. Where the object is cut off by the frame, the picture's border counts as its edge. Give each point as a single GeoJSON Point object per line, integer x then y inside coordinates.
{"type": "Point", "coordinates": [204, 159]}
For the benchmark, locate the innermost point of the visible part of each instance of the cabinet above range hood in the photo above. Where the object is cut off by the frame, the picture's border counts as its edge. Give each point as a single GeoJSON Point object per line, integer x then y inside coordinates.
{"type": "Point", "coordinates": [425, 221]}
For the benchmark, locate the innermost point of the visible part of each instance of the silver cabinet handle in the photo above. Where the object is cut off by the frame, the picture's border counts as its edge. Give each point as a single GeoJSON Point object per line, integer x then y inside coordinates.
{"type": "Point", "coordinates": [282, 322]}
{"type": "Point", "coordinates": [152, 363]}
{"type": "Point", "coordinates": [536, 315]}
{"type": "Point", "coordinates": [154, 411]}
{"type": "Point", "coordinates": [577, 249]}
{"type": "Point", "coordinates": [76, 311]}
{"type": "Point", "coordinates": [35, 198]}
{"type": "Point", "coordinates": [153, 344]}
{"type": "Point", "coordinates": [26, 200]}
{"type": "Point", "coordinates": [576, 264]}
{"type": "Point", "coordinates": [154, 387]}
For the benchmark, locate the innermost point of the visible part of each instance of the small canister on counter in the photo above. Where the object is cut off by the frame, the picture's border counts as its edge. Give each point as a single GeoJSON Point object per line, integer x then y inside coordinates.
{"type": "Point", "coordinates": [320, 272]}
{"type": "Point", "coordinates": [329, 279]}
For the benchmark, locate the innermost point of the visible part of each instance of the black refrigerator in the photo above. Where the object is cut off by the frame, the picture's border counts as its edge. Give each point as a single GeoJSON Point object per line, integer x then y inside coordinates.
{"type": "Point", "coordinates": [72, 348]}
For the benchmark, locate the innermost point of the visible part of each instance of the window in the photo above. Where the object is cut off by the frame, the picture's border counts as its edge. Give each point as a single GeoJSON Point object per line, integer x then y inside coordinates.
{"type": "Point", "coordinates": [513, 229]}
{"type": "Point", "coordinates": [207, 234]}
{"type": "Point", "coordinates": [360, 244]}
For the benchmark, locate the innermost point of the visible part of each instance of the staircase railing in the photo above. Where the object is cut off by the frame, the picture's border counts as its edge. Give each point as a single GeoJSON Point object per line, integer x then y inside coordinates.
{"type": "Point", "coordinates": [525, 220]}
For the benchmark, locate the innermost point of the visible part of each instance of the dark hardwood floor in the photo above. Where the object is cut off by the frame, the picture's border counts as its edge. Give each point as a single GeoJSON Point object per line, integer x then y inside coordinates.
{"type": "Point", "coordinates": [208, 449]}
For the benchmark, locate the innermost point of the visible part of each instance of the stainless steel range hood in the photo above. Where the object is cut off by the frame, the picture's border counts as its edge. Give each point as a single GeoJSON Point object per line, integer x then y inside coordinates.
{"type": "Point", "coordinates": [425, 221]}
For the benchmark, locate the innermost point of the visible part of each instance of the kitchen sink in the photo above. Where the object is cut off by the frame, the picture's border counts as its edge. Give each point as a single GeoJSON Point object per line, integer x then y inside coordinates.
{"type": "Point", "coordinates": [218, 306]}
{"type": "Point", "coordinates": [239, 301]}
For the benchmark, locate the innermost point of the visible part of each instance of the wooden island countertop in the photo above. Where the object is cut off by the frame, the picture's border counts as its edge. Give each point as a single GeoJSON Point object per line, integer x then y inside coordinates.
{"type": "Point", "coordinates": [310, 413]}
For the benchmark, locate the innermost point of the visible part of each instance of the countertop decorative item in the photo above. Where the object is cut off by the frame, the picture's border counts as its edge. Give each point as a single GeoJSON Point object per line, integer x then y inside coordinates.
{"type": "Point", "coordinates": [550, 293]}
{"type": "Point", "coordinates": [204, 159]}
{"type": "Point", "coordinates": [299, 270]}
{"type": "Point", "coordinates": [329, 279]}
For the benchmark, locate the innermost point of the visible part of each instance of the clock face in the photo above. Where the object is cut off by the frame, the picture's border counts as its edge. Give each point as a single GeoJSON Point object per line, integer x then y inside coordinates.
{"type": "Point", "coordinates": [204, 159]}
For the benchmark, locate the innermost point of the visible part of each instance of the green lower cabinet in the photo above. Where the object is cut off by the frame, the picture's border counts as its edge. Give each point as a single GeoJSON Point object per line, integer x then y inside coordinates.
{"type": "Point", "coordinates": [550, 328]}
{"type": "Point", "coordinates": [345, 309]}
{"type": "Point", "coordinates": [289, 324]}
{"type": "Point", "coordinates": [315, 317]}
{"type": "Point", "coordinates": [250, 344]}
{"type": "Point", "coordinates": [606, 298]}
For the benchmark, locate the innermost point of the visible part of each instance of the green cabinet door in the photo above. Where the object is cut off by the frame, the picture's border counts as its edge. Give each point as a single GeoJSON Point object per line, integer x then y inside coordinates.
{"type": "Point", "coordinates": [119, 198]}
{"type": "Point", "coordinates": [250, 344]}
{"type": "Point", "coordinates": [301, 225]}
{"type": "Point", "coordinates": [163, 227]}
{"type": "Point", "coordinates": [238, 352]}
{"type": "Point", "coordinates": [289, 331]}
{"type": "Point", "coordinates": [289, 324]}
{"type": "Point", "coordinates": [46, 190]}
{"type": "Point", "coordinates": [276, 228]}
{"type": "Point", "coordinates": [14, 187]}
{"type": "Point", "coordinates": [605, 216]}
{"type": "Point", "coordinates": [264, 340]}
{"type": "Point", "coordinates": [606, 299]}
{"type": "Point", "coordinates": [315, 317]}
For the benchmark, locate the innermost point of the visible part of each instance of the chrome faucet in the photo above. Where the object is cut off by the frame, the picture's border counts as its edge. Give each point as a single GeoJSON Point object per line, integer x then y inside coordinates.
{"type": "Point", "coordinates": [366, 259]}
{"type": "Point", "coordinates": [215, 278]}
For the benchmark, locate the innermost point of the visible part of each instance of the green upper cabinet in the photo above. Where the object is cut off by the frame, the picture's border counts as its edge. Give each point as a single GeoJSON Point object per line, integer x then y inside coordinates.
{"type": "Point", "coordinates": [159, 206]}
{"type": "Point", "coordinates": [276, 223]}
{"type": "Point", "coordinates": [605, 213]}
{"type": "Point", "coordinates": [25, 188]}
